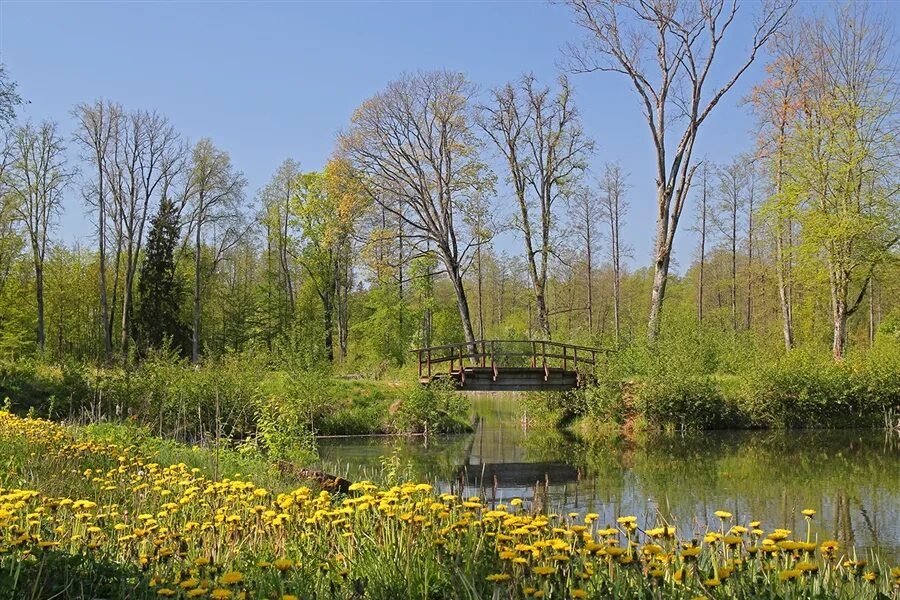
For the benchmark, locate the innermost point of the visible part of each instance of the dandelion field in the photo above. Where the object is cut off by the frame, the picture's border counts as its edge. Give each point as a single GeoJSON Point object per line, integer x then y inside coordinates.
{"type": "Point", "coordinates": [89, 518]}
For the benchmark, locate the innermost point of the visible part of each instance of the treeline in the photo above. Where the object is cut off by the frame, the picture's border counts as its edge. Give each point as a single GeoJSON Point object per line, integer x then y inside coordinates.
{"type": "Point", "coordinates": [394, 243]}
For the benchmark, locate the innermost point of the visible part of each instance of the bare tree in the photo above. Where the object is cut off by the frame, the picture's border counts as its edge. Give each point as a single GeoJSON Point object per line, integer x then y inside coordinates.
{"type": "Point", "coordinates": [732, 197]}
{"type": "Point", "coordinates": [612, 197]}
{"type": "Point", "coordinates": [667, 49]}
{"type": "Point", "coordinates": [276, 198]}
{"type": "Point", "coordinates": [751, 205]}
{"type": "Point", "coordinates": [702, 229]}
{"type": "Point", "coordinates": [541, 139]}
{"type": "Point", "coordinates": [417, 155]}
{"type": "Point", "coordinates": [37, 176]}
{"type": "Point", "coordinates": [585, 213]}
{"type": "Point", "coordinates": [214, 192]}
{"type": "Point", "coordinates": [98, 124]}
{"type": "Point", "coordinates": [144, 156]}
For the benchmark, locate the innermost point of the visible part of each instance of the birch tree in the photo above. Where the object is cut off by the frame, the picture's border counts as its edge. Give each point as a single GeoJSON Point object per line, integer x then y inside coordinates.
{"type": "Point", "coordinates": [98, 123]}
{"type": "Point", "coordinates": [667, 50]}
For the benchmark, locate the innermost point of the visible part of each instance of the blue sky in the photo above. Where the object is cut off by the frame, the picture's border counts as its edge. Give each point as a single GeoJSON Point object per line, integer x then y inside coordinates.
{"type": "Point", "coordinates": [272, 80]}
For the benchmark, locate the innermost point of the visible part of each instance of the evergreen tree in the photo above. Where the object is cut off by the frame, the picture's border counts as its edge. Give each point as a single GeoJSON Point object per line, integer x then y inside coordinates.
{"type": "Point", "coordinates": [159, 289]}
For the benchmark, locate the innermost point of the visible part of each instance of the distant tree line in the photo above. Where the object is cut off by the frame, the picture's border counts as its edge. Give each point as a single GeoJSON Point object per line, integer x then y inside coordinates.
{"type": "Point", "coordinates": [393, 244]}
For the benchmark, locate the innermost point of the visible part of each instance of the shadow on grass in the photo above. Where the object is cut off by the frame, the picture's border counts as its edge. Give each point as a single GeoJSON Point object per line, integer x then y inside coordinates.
{"type": "Point", "coordinates": [51, 575]}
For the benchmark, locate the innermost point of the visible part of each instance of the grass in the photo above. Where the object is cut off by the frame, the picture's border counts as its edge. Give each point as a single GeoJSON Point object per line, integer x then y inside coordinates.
{"type": "Point", "coordinates": [109, 513]}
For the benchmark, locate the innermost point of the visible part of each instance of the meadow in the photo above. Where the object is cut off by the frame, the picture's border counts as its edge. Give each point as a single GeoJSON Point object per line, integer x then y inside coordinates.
{"type": "Point", "coordinates": [86, 515]}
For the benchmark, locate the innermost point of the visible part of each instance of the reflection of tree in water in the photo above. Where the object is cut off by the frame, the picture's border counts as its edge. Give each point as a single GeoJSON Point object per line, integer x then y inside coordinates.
{"type": "Point", "coordinates": [849, 477]}
{"type": "Point", "coordinates": [846, 476]}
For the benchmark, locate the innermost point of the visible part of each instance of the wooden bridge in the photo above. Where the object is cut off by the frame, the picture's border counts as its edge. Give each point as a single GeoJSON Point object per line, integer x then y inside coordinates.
{"type": "Point", "coordinates": [509, 365]}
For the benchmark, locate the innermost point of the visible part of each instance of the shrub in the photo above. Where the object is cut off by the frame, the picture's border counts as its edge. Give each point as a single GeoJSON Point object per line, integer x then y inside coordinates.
{"type": "Point", "coordinates": [433, 408]}
{"type": "Point", "coordinates": [678, 401]}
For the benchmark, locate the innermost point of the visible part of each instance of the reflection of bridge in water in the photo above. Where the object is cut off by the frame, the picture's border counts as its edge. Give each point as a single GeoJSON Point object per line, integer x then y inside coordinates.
{"type": "Point", "coordinates": [497, 465]}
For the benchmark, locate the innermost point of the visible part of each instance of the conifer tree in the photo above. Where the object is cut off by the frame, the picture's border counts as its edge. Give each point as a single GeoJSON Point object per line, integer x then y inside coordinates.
{"type": "Point", "coordinates": [159, 288]}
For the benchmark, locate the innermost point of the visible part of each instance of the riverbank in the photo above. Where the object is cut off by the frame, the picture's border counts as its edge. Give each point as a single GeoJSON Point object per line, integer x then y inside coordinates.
{"type": "Point", "coordinates": [240, 401]}
{"type": "Point", "coordinates": [635, 391]}
{"type": "Point", "coordinates": [89, 517]}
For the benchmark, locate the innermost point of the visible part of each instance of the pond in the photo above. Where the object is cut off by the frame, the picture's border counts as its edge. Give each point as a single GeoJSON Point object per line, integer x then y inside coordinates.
{"type": "Point", "coordinates": [851, 478]}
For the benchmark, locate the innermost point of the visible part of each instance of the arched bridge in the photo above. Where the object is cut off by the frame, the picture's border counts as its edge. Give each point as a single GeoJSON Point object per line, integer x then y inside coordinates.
{"type": "Point", "coordinates": [509, 365]}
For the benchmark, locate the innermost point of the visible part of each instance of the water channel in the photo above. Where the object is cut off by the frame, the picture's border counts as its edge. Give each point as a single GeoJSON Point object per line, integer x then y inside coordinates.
{"type": "Point", "coordinates": [851, 478]}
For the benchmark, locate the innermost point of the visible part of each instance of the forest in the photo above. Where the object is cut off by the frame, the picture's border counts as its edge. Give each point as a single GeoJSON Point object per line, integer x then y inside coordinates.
{"type": "Point", "coordinates": [451, 213]}
{"type": "Point", "coordinates": [217, 396]}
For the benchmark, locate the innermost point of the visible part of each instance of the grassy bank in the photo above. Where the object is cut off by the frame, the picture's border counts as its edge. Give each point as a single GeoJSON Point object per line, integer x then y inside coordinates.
{"type": "Point", "coordinates": [85, 517]}
{"type": "Point", "coordinates": [707, 384]}
{"type": "Point", "coordinates": [242, 400]}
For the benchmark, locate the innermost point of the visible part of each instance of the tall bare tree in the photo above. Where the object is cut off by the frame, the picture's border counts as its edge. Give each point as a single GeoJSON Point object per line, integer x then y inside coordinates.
{"type": "Point", "coordinates": [612, 196]}
{"type": "Point", "coordinates": [667, 49]}
{"type": "Point", "coordinates": [539, 135]}
{"type": "Point", "coordinates": [415, 150]}
{"type": "Point", "coordinates": [585, 214]}
{"type": "Point", "coordinates": [214, 192]}
{"type": "Point", "coordinates": [732, 197]}
{"type": "Point", "coordinates": [704, 214]}
{"type": "Point", "coordinates": [144, 154]}
{"type": "Point", "coordinates": [36, 178]}
{"type": "Point", "coordinates": [98, 123]}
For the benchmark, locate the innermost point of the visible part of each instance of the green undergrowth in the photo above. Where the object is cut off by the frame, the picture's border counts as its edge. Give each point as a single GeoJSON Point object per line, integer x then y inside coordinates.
{"type": "Point", "coordinates": [702, 382]}
{"type": "Point", "coordinates": [245, 402]}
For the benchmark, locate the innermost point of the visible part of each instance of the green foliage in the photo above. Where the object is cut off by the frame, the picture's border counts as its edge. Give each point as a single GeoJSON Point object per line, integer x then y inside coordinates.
{"type": "Point", "coordinates": [432, 408]}
{"type": "Point", "coordinates": [701, 379]}
{"type": "Point", "coordinates": [160, 290]}
{"type": "Point", "coordinates": [803, 390]}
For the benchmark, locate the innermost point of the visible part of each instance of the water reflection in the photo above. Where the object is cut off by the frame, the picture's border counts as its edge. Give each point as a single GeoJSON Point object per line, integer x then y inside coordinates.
{"type": "Point", "coordinates": [851, 478]}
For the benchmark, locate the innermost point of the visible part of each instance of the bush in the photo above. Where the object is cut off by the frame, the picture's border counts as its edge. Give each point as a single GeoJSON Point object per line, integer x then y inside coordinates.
{"type": "Point", "coordinates": [433, 408]}
{"type": "Point", "coordinates": [802, 390]}
{"type": "Point", "coordinates": [677, 401]}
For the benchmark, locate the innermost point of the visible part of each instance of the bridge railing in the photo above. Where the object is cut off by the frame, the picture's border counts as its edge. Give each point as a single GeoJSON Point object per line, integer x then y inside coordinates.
{"type": "Point", "coordinates": [496, 354]}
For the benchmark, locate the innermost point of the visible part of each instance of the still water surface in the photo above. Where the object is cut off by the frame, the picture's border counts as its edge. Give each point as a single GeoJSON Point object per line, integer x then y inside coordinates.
{"type": "Point", "coordinates": [851, 478]}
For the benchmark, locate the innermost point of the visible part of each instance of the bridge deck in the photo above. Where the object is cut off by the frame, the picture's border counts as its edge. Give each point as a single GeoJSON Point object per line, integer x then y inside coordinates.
{"type": "Point", "coordinates": [509, 365]}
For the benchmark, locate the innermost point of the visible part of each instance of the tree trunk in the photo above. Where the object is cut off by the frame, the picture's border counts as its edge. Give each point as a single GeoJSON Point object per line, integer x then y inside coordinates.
{"type": "Point", "coordinates": [617, 272]}
{"type": "Point", "coordinates": [328, 313]}
{"type": "Point", "coordinates": [195, 337]}
{"type": "Point", "coordinates": [590, 275]}
{"type": "Point", "coordinates": [101, 222]}
{"type": "Point", "coordinates": [127, 301]}
{"type": "Point", "coordinates": [872, 313]}
{"type": "Point", "coordinates": [39, 289]}
{"type": "Point", "coordinates": [703, 209]}
{"type": "Point", "coordinates": [839, 340]}
{"type": "Point", "coordinates": [750, 258]}
{"type": "Point", "coordinates": [462, 304]}
{"type": "Point", "coordinates": [480, 292]}
{"type": "Point", "coordinates": [662, 255]}
{"type": "Point", "coordinates": [734, 265]}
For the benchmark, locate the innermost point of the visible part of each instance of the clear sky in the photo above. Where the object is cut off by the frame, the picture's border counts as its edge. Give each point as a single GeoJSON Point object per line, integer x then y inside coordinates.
{"type": "Point", "coordinates": [272, 80]}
